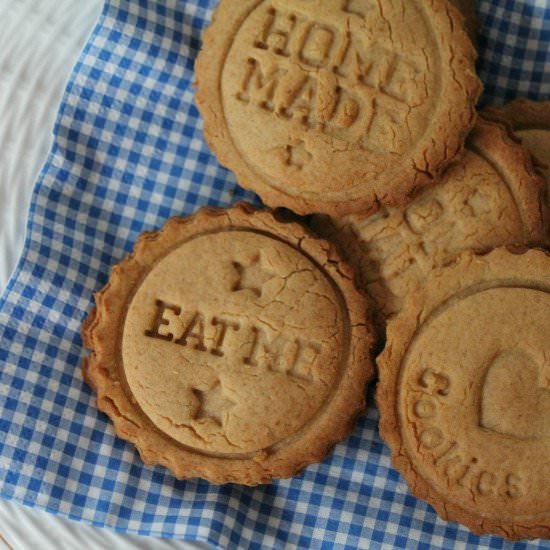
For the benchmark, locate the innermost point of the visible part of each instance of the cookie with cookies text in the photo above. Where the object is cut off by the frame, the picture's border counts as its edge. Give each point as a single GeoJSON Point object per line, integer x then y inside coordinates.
{"type": "Point", "coordinates": [530, 120]}
{"type": "Point", "coordinates": [230, 346]}
{"type": "Point", "coordinates": [464, 393]}
{"type": "Point", "coordinates": [336, 106]}
{"type": "Point", "coordinates": [491, 197]}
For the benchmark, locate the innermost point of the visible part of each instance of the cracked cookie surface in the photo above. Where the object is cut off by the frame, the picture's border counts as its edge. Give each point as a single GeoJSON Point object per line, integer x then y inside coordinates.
{"type": "Point", "coordinates": [230, 346]}
{"type": "Point", "coordinates": [491, 197]}
{"type": "Point", "coordinates": [336, 106]}
{"type": "Point", "coordinates": [464, 392]}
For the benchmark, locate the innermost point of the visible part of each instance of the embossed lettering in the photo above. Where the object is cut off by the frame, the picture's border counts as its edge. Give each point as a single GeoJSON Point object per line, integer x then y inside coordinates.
{"type": "Point", "coordinates": [317, 45]}
{"type": "Point", "coordinates": [276, 32]}
{"type": "Point", "coordinates": [259, 87]}
{"type": "Point", "coordinates": [419, 217]}
{"type": "Point", "coordinates": [220, 336]}
{"type": "Point", "coordinates": [486, 483]}
{"type": "Point", "coordinates": [302, 357]}
{"type": "Point", "coordinates": [433, 380]}
{"type": "Point", "coordinates": [452, 460]}
{"type": "Point", "coordinates": [376, 67]}
{"type": "Point", "coordinates": [194, 330]}
{"type": "Point", "coordinates": [424, 409]}
{"type": "Point", "coordinates": [448, 454]}
{"type": "Point", "coordinates": [299, 99]}
{"type": "Point", "coordinates": [467, 472]}
{"type": "Point", "coordinates": [354, 84]}
{"type": "Point", "coordinates": [263, 350]}
{"type": "Point", "coordinates": [294, 357]}
{"type": "Point", "coordinates": [432, 438]}
{"type": "Point", "coordinates": [160, 321]}
{"type": "Point", "coordinates": [513, 486]}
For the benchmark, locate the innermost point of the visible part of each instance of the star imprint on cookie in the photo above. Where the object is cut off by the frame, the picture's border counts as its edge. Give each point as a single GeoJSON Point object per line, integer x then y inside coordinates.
{"type": "Point", "coordinates": [252, 277]}
{"type": "Point", "coordinates": [214, 403]}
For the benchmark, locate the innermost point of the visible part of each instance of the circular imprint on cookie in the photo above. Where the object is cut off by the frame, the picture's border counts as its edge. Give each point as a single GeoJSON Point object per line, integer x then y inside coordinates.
{"type": "Point", "coordinates": [334, 106]}
{"type": "Point", "coordinates": [234, 351]}
{"type": "Point", "coordinates": [470, 387]}
{"type": "Point", "coordinates": [237, 342]}
{"type": "Point", "coordinates": [530, 120]}
{"type": "Point", "coordinates": [489, 198]}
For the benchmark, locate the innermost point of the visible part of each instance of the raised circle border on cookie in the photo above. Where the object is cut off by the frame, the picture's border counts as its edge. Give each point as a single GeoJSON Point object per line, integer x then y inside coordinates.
{"type": "Point", "coordinates": [134, 332]}
{"type": "Point", "coordinates": [101, 333]}
{"type": "Point", "coordinates": [521, 114]}
{"type": "Point", "coordinates": [489, 142]}
{"type": "Point", "coordinates": [453, 120]}
{"type": "Point", "coordinates": [470, 275]}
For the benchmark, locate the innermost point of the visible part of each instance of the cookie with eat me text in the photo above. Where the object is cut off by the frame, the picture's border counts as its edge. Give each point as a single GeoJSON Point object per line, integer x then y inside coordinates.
{"type": "Point", "coordinates": [230, 346]}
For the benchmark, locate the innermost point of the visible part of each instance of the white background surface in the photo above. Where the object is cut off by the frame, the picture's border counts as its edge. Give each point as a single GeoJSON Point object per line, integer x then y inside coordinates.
{"type": "Point", "coordinates": [39, 43]}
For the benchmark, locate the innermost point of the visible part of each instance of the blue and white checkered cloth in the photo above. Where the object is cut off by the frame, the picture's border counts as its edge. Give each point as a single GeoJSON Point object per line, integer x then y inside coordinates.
{"type": "Point", "coordinates": [128, 154]}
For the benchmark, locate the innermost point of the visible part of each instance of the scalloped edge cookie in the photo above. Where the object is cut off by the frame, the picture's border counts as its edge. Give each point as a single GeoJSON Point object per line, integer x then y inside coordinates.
{"type": "Point", "coordinates": [101, 333]}
{"type": "Point", "coordinates": [493, 142]}
{"type": "Point", "coordinates": [468, 270]}
{"type": "Point", "coordinates": [442, 142]}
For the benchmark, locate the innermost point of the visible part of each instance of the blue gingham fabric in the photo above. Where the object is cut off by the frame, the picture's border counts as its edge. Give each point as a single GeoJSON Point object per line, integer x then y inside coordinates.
{"type": "Point", "coordinates": [128, 154]}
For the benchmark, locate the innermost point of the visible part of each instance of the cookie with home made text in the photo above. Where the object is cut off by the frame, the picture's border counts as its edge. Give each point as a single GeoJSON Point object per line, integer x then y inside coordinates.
{"type": "Point", "coordinates": [464, 393]}
{"type": "Point", "coordinates": [230, 346]}
{"type": "Point", "coordinates": [491, 197]}
{"type": "Point", "coordinates": [336, 106]}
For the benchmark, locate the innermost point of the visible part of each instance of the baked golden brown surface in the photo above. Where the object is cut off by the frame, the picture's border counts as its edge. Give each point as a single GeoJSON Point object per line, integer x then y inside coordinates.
{"type": "Point", "coordinates": [530, 120]}
{"type": "Point", "coordinates": [464, 393]}
{"type": "Point", "coordinates": [336, 107]}
{"type": "Point", "coordinates": [491, 197]}
{"type": "Point", "coordinates": [230, 346]}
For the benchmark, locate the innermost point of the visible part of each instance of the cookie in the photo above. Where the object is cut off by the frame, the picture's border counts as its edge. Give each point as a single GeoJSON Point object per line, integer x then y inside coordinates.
{"type": "Point", "coordinates": [530, 120]}
{"type": "Point", "coordinates": [471, 21]}
{"type": "Point", "coordinates": [464, 393]}
{"type": "Point", "coordinates": [230, 346]}
{"type": "Point", "coordinates": [491, 197]}
{"type": "Point", "coordinates": [336, 106]}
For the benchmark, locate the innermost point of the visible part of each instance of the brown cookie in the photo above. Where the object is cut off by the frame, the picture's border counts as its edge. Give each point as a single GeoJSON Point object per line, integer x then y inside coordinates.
{"type": "Point", "coordinates": [464, 393]}
{"type": "Point", "coordinates": [230, 346]}
{"type": "Point", "coordinates": [491, 197]}
{"type": "Point", "coordinates": [471, 21]}
{"type": "Point", "coordinates": [336, 106]}
{"type": "Point", "coordinates": [530, 120]}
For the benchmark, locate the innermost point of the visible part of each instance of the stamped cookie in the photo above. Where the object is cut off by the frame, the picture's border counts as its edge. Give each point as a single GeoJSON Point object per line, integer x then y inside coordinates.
{"type": "Point", "coordinates": [230, 346]}
{"type": "Point", "coordinates": [530, 120]}
{"type": "Point", "coordinates": [336, 106]}
{"type": "Point", "coordinates": [491, 197]}
{"type": "Point", "coordinates": [464, 393]}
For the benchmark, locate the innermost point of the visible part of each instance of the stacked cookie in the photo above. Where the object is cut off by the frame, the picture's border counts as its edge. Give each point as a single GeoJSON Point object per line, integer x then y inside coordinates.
{"type": "Point", "coordinates": [235, 345]}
